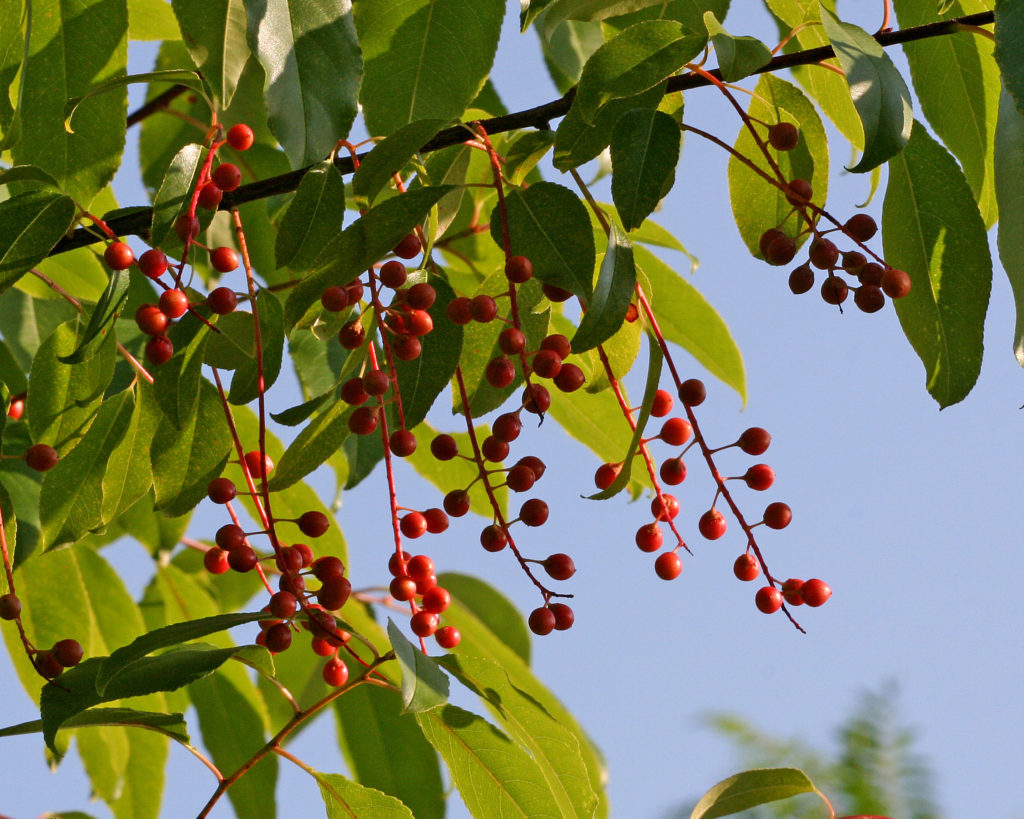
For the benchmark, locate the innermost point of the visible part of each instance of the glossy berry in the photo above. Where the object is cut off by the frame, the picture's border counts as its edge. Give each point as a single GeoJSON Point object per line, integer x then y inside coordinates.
{"type": "Point", "coordinates": [494, 449]}
{"type": "Point", "coordinates": [186, 226]}
{"type": "Point", "coordinates": [666, 510]}
{"type": "Point", "coordinates": [241, 137]}
{"type": "Point", "coordinates": [541, 621]}
{"type": "Point", "coordinates": [242, 560]}
{"type": "Point", "coordinates": [334, 593]}
{"type": "Point", "coordinates": [754, 440]}
{"type": "Point", "coordinates": [493, 538]}
{"type": "Point", "coordinates": [871, 274]}
{"type": "Point", "coordinates": [230, 536]}
{"type": "Point", "coordinates": [47, 665]}
{"type": "Point", "coordinates": [869, 298]}
{"type": "Point", "coordinates": [17, 406]}
{"type": "Point", "coordinates": [210, 196]}
{"type": "Point", "coordinates": [327, 567]}
{"type": "Point", "coordinates": [406, 347]}
{"type": "Point", "coordinates": [336, 673]}
{"type": "Point", "coordinates": [506, 427]}
{"type": "Point", "coordinates": [861, 226]}
{"type": "Point", "coordinates": [444, 447]}
{"type": "Point", "coordinates": [448, 637]}
{"type": "Point", "coordinates": [459, 310]}
{"type": "Point", "coordinates": [511, 341]}
{"type": "Point", "coordinates": [227, 177]}
{"type": "Point", "coordinates": [534, 512]}
{"type": "Point", "coordinates": [834, 290]}
{"type": "Point", "coordinates": [712, 524]}
{"type": "Point", "coordinates": [759, 477]}
{"type": "Point", "coordinates": [854, 260]}
{"type": "Point", "coordinates": [423, 623]}
{"type": "Point", "coordinates": [224, 259]}
{"type": "Point", "coordinates": [799, 192]}
{"type": "Point", "coordinates": [801, 279]}
{"type": "Point", "coordinates": [559, 566]}
{"type": "Point", "coordinates": [547, 363]}
{"type": "Point", "coordinates": [437, 520]}
{"type": "Point", "coordinates": [662, 404]}
{"type": "Point", "coordinates": [792, 591]}
{"type": "Point", "coordinates": [334, 299]}
{"type": "Point", "coordinates": [823, 254]}
{"type": "Point", "coordinates": [456, 503]}
{"type": "Point", "coordinates": [518, 269]}
{"type": "Point", "coordinates": [419, 567]}
{"type": "Point", "coordinates": [403, 588]}
{"type": "Point", "coordinates": [816, 592]}
{"type": "Point", "coordinates": [535, 463]}
{"type": "Point", "coordinates": [777, 515]}
{"type": "Point", "coordinates": [606, 475]}
{"type": "Point", "coordinates": [41, 457]}
{"type": "Point", "coordinates": [500, 372]}
{"type": "Point", "coordinates": [564, 616]}
{"type": "Point", "coordinates": [570, 378]}
{"type": "Point", "coordinates": [222, 301]}
{"type": "Point", "coordinates": [68, 652]}
{"type": "Point", "coordinates": [409, 247]}
{"type": "Point", "coordinates": [305, 552]}
{"type": "Point", "coordinates": [483, 308]}
{"type": "Point", "coordinates": [421, 296]}
{"type": "Point", "coordinates": [692, 392]}
{"type": "Point", "coordinates": [767, 238]}
{"type": "Point", "coordinates": [283, 604]}
{"type": "Point", "coordinates": [780, 251]}
{"type": "Point", "coordinates": [173, 303]}
{"type": "Point", "coordinates": [536, 399]}
{"type": "Point", "coordinates": [649, 537]}
{"type": "Point", "coordinates": [363, 421]}
{"type": "Point", "coordinates": [520, 478]}
{"type": "Point", "coordinates": [153, 263]}
{"type": "Point", "coordinates": [215, 560]}
{"type": "Point", "coordinates": [419, 323]}
{"type": "Point", "coordinates": [151, 320]}
{"type": "Point", "coordinates": [436, 600]}
{"type": "Point", "coordinates": [413, 525]}
{"type": "Point", "coordinates": [746, 567]}
{"type": "Point", "coordinates": [221, 490]}
{"type": "Point", "coordinates": [783, 136]}
{"type": "Point", "coordinates": [159, 350]}
{"type": "Point", "coordinates": [10, 607]}
{"type": "Point", "coordinates": [556, 294]}
{"type": "Point", "coordinates": [675, 431]}
{"type": "Point", "coordinates": [895, 283]}
{"type": "Point", "coordinates": [351, 335]}
{"type": "Point", "coordinates": [118, 256]}
{"type": "Point", "coordinates": [673, 471]}
{"type": "Point", "coordinates": [352, 392]}
{"type": "Point", "coordinates": [258, 466]}
{"type": "Point", "coordinates": [768, 599]}
{"type": "Point", "coordinates": [668, 566]}
{"type": "Point", "coordinates": [557, 343]}
{"type": "Point", "coordinates": [279, 638]}
{"type": "Point", "coordinates": [376, 382]}
{"type": "Point", "coordinates": [393, 274]}
{"type": "Point", "coordinates": [402, 443]}
{"type": "Point", "coordinates": [313, 524]}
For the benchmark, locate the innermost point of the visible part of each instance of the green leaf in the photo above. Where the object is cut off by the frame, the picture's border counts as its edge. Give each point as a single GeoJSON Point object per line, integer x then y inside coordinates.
{"type": "Point", "coordinates": [102, 318]}
{"type": "Point", "coordinates": [344, 798]}
{"type": "Point", "coordinates": [132, 476]}
{"type": "Point", "coordinates": [1009, 50]}
{"type": "Point", "coordinates": [28, 173]}
{"type": "Point", "coordinates": [553, 746]}
{"type": "Point", "coordinates": [173, 725]}
{"type": "Point", "coordinates": [152, 20]}
{"type": "Point", "coordinates": [176, 383]}
{"type": "Point", "coordinates": [408, 46]}
{"type": "Point", "coordinates": [1009, 189]}
{"type": "Point", "coordinates": [879, 93]}
{"type": "Point", "coordinates": [300, 45]}
{"type": "Point", "coordinates": [245, 386]}
{"type": "Point", "coordinates": [388, 157]}
{"type": "Point", "coordinates": [616, 283]}
{"type": "Point", "coordinates": [185, 460]}
{"type": "Point", "coordinates": [175, 194]}
{"type": "Point", "coordinates": [70, 504]}
{"type": "Point", "coordinates": [74, 47]}
{"type": "Point", "coordinates": [525, 153]}
{"type": "Point", "coordinates": [13, 48]}
{"type": "Point", "coordinates": [757, 205]}
{"type": "Point", "coordinates": [30, 225]}
{"type": "Point", "coordinates": [424, 685]}
{"type": "Point", "coordinates": [320, 439]}
{"type": "Point", "coordinates": [591, 10]}
{"type": "Point", "coordinates": [120, 660]}
{"type": "Point", "coordinates": [548, 224]}
{"type": "Point", "coordinates": [750, 789]}
{"type": "Point", "coordinates": [738, 57]}
{"type": "Point", "coordinates": [361, 244]}
{"type": "Point", "coordinates": [932, 229]}
{"type": "Point", "coordinates": [687, 319]}
{"type": "Point", "coordinates": [637, 59]}
{"type": "Point", "coordinates": [313, 217]}
{"type": "Point", "coordinates": [214, 31]}
{"type": "Point", "coordinates": [475, 598]}
{"type": "Point", "coordinates": [962, 103]}
{"type": "Point", "coordinates": [234, 346]}
{"type": "Point", "coordinates": [494, 775]}
{"type": "Point", "coordinates": [645, 150]}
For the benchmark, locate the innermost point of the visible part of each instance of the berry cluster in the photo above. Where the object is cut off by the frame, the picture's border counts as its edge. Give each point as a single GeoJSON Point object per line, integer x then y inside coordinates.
{"type": "Point", "coordinates": [49, 663]}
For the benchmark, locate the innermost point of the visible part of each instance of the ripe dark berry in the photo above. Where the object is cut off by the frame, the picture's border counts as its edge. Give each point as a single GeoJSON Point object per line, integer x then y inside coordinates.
{"type": "Point", "coordinates": [759, 477]}
{"type": "Point", "coordinates": [306, 552]}
{"type": "Point", "coordinates": [444, 447]}
{"type": "Point", "coordinates": [227, 177]}
{"type": "Point", "coordinates": [780, 251]}
{"type": "Point", "coordinates": [402, 443]}
{"type": "Point", "coordinates": [871, 274]}
{"type": "Point", "coordinates": [241, 137]}
{"type": "Point", "coordinates": [376, 382]}
{"type": "Point", "coordinates": [159, 350]}
{"type": "Point", "coordinates": [662, 404]}
{"type": "Point", "coordinates": [222, 301]}
{"type": "Point", "coordinates": [437, 520]}
{"type": "Point", "coordinates": [861, 226]}
{"type": "Point", "coordinates": [777, 515]}
{"type": "Point", "coordinates": [423, 623]}
{"type": "Point", "coordinates": [801, 279]}
{"type": "Point", "coordinates": [712, 524]}
{"type": "Point", "coordinates": [534, 512]}
{"type": "Point", "coordinates": [448, 637]}
{"type": "Point", "coordinates": [869, 298]}
{"type": "Point", "coordinates": [606, 475]}
{"type": "Point", "coordinates": [895, 283]}
{"type": "Point", "coordinates": [518, 269]}
{"type": "Point", "coordinates": [823, 254]}
{"type": "Point", "coordinates": [746, 567]}
{"type": "Point", "coordinates": [570, 378]}
{"type": "Point", "coordinates": [352, 392]}
{"type": "Point", "coordinates": [536, 399]}
{"type": "Point", "coordinates": [541, 621]}
{"type": "Point", "coordinates": [667, 510]}
{"type": "Point", "coordinates": [327, 567]}
{"type": "Point", "coordinates": [535, 463]}
{"type": "Point", "coordinates": [41, 457]}
{"type": "Point", "coordinates": [230, 536]}
{"type": "Point", "coordinates": [493, 538]}
{"type": "Point", "coordinates": [224, 259]}
{"type": "Point", "coordinates": [853, 261]}
{"type": "Point", "coordinates": [547, 363]}
{"type": "Point", "coordinates": [173, 303]}
{"type": "Point", "coordinates": [676, 431]}
{"type": "Point", "coordinates": [834, 290]}
{"type": "Point", "coordinates": [673, 471]}
{"type": "Point", "coordinates": [783, 136]}
{"type": "Point", "coordinates": [313, 524]}
{"type": "Point", "coordinates": [334, 299]}
{"type": "Point", "coordinates": [459, 310]}
{"type": "Point", "coordinates": [210, 196]}
{"type": "Point", "coordinates": [494, 449]}
{"type": "Point", "coordinates": [556, 294]}
{"type": "Point", "coordinates": [692, 392]}
{"type": "Point", "coordinates": [288, 560]}
{"type": "Point", "coordinates": [283, 604]}
{"type": "Point", "coordinates": [215, 560]}
{"type": "Point", "coordinates": [483, 308]}
{"type": "Point", "coordinates": [668, 566]}
{"type": "Point", "coordinates": [815, 592]}
{"type": "Point", "coordinates": [351, 335]}
{"type": "Point", "coordinates": [221, 490]}
{"type": "Point", "coordinates": [47, 665]}
{"type": "Point", "coordinates": [436, 600]}
{"type": "Point", "coordinates": [792, 591]}
{"type": "Point", "coordinates": [413, 525]}
{"type": "Point", "coordinates": [279, 638]}
{"type": "Point", "coordinates": [559, 566]}
{"type": "Point", "coordinates": [520, 478]}
{"type": "Point", "coordinates": [151, 320]}
{"type": "Point", "coordinates": [506, 427]}
{"type": "Point", "coordinates": [10, 607]}
{"type": "Point", "coordinates": [500, 372]}
{"type": "Point", "coordinates": [186, 226]}
{"type": "Point", "coordinates": [768, 599]}
{"type": "Point", "coordinates": [242, 560]}
{"type": "Point", "coordinates": [557, 343]}
{"type": "Point", "coordinates": [336, 673]}
{"type": "Point", "coordinates": [421, 296]}
{"type": "Point", "coordinates": [564, 616]}
{"type": "Point", "coordinates": [456, 503]}
{"type": "Point", "coordinates": [334, 593]}
{"type": "Point", "coordinates": [409, 247]}
{"type": "Point", "coordinates": [393, 274]}
{"type": "Point", "coordinates": [258, 466]}
{"type": "Point", "coordinates": [68, 652]}
{"type": "Point", "coordinates": [799, 192]}
{"type": "Point", "coordinates": [153, 263]}
{"type": "Point", "coordinates": [649, 537]}
{"type": "Point", "coordinates": [406, 347]}
{"type": "Point", "coordinates": [118, 256]}
{"type": "Point", "coordinates": [754, 440]}
{"type": "Point", "coordinates": [511, 341]}
{"type": "Point", "coordinates": [767, 238]}
{"type": "Point", "coordinates": [363, 421]}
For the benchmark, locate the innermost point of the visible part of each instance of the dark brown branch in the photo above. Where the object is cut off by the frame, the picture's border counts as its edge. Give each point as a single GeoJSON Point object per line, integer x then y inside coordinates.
{"type": "Point", "coordinates": [137, 223]}
{"type": "Point", "coordinates": [156, 104]}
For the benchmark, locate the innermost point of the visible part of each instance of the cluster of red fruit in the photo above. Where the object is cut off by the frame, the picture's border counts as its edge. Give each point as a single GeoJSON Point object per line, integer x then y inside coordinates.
{"type": "Point", "coordinates": [49, 663]}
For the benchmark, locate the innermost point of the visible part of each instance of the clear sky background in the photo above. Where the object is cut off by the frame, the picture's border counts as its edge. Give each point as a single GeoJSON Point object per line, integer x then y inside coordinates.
{"type": "Point", "coordinates": [912, 515]}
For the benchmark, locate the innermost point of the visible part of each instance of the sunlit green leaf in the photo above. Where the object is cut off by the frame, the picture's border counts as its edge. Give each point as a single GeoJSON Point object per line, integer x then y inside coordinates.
{"type": "Point", "coordinates": [750, 789]}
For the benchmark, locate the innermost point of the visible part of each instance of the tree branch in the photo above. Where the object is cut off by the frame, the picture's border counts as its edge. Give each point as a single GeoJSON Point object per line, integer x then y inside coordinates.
{"type": "Point", "coordinates": [137, 223]}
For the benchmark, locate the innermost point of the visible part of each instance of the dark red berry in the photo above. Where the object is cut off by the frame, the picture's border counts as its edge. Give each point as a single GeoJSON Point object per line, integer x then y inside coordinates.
{"type": "Point", "coordinates": [853, 261]}
{"type": "Point", "coordinates": [535, 463]}
{"type": "Point", "coordinates": [421, 296]}
{"type": "Point", "coordinates": [327, 567]}
{"type": "Point", "coordinates": [222, 301]}
{"type": "Point", "coordinates": [47, 665]}
{"type": "Point", "coordinates": [759, 477]}
{"type": "Point", "coordinates": [159, 350]}
{"type": "Point", "coordinates": [242, 560]}
{"type": "Point", "coordinates": [559, 566]}
{"type": "Point", "coordinates": [746, 567]}
{"type": "Point", "coordinates": [41, 457]}
{"type": "Point", "coordinates": [767, 238]}
{"type": "Point", "coordinates": [10, 607]}
{"type": "Point", "coordinates": [186, 226]}
{"type": "Point", "coordinates": [506, 427]}
{"type": "Point", "coordinates": [556, 294]}
{"type": "Point", "coordinates": [534, 512]}
{"type": "Point", "coordinates": [336, 673]}
{"type": "Point", "coordinates": [871, 274]}
{"type": "Point", "coordinates": [444, 447]}
{"type": "Point", "coordinates": [692, 392]}
{"type": "Point", "coordinates": [173, 303]}
{"type": "Point", "coordinates": [118, 256]}
{"type": "Point", "coordinates": [869, 298]}
{"type": "Point", "coordinates": [352, 392]}
{"type": "Point", "coordinates": [518, 269]}
{"type": "Point", "coordinates": [777, 515]}
{"type": "Point", "coordinates": [224, 259]}
{"type": "Point", "coordinates": [834, 290]}
{"type": "Point", "coordinates": [279, 638]}
{"type": "Point", "coordinates": [667, 510]}
{"type": "Point", "coordinates": [494, 449]}
{"type": "Point", "coordinates": [520, 479]}
{"type": "Point", "coordinates": [861, 226]}
{"type": "Point", "coordinates": [500, 372]}
{"type": "Point", "coordinates": [456, 503]}
{"type": "Point", "coordinates": [363, 421]}
{"type": "Point", "coordinates": [783, 136]}
{"type": "Point", "coordinates": [241, 137]}
{"type": "Point", "coordinates": [402, 443]}
{"type": "Point", "coordinates": [153, 263]}
{"type": "Point", "coordinates": [895, 283]}
{"type": "Point", "coordinates": [754, 440]}
{"type": "Point", "coordinates": [483, 308]}
{"type": "Point", "coordinates": [437, 520]}
{"type": "Point", "coordinates": [334, 593]}
{"type": "Point", "coordinates": [673, 471]}
{"type": "Point", "coordinates": [541, 621]}
{"type": "Point", "coordinates": [313, 524]}
{"type": "Point", "coordinates": [393, 274]}
{"type": "Point", "coordinates": [406, 347]}
{"type": "Point", "coordinates": [570, 378]}
{"type": "Point", "coordinates": [210, 196]}
{"type": "Point", "coordinates": [511, 341]}
{"type": "Point", "coordinates": [801, 279]}
{"type": "Point", "coordinates": [493, 538]}
{"type": "Point", "coordinates": [564, 616]}
{"type": "Point", "coordinates": [283, 604]}
{"type": "Point", "coordinates": [547, 363]}
{"type": "Point", "coordinates": [409, 247]}
{"type": "Point", "coordinates": [227, 177]}
{"type": "Point", "coordinates": [376, 382]}
{"type": "Point", "coordinates": [351, 335]}
{"type": "Point", "coordinates": [823, 254]}
{"type": "Point", "coordinates": [68, 652]}
{"type": "Point", "coordinates": [799, 192]}
{"type": "Point", "coordinates": [230, 536]}
{"type": "Point", "coordinates": [459, 310]}
{"type": "Point", "coordinates": [780, 251]}
{"type": "Point", "coordinates": [668, 566]}
{"type": "Point", "coordinates": [536, 399]}
{"type": "Point", "coordinates": [221, 490]}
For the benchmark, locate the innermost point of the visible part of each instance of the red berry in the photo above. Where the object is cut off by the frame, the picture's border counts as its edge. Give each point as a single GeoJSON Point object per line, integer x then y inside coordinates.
{"type": "Point", "coordinates": [854, 261]}
{"type": "Point", "coordinates": [541, 621]}
{"type": "Point", "coordinates": [413, 525]}
{"type": "Point", "coordinates": [444, 447]}
{"type": "Point", "coordinates": [376, 382]}
{"type": "Point", "coordinates": [759, 477]}
{"type": "Point", "coordinates": [334, 299]}
{"type": "Point", "coordinates": [173, 303]}
{"type": "Point", "coordinates": [520, 478]}
{"type": "Point", "coordinates": [559, 566]}
{"type": "Point", "coordinates": [869, 298]}
{"type": "Point", "coordinates": [459, 310]}
{"type": "Point", "coordinates": [871, 274]}
{"type": "Point", "coordinates": [10, 607]}
{"type": "Point", "coordinates": [334, 593]}
{"type": "Point", "coordinates": [423, 623]}
{"type": "Point", "coordinates": [564, 616]}
{"type": "Point", "coordinates": [159, 350]}
{"type": "Point", "coordinates": [426, 584]}
{"type": "Point", "coordinates": [557, 343]}
{"type": "Point", "coordinates": [801, 279]}
{"type": "Point", "coordinates": [68, 652]}
{"type": "Point", "coordinates": [777, 515]}
{"type": "Point", "coordinates": [518, 269]}
{"type": "Point", "coordinates": [226, 176]}
{"type": "Point", "coordinates": [676, 431]}
{"type": "Point", "coordinates": [215, 560]}
{"type": "Point", "coordinates": [834, 290]}
{"type": "Point", "coordinates": [606, 475]}
{"type": "Point", "coordinates": [352, 392]}
{"type": "Point", "coordinates": [456, 503]}
{"type": "Point", "coordinates": [322, 647]}
{"type": "Point", "coordinates": [241, 137]}
{"type": "Point", "coordinates": [536, 399]}
{"type": "Point", "coordinates": [506, 427]}
{"type": "Point", "coordinates": [283, 604]}
{"type": "Point", "coordinates": [483, 308]}
{"type": "Point", "coordinates": [792, 591]}
{"type": "Point", "coordinates": [242, 560]}
{"type": "Point", "coordinates": [754, 441]}
{"type": "Point", "coordinates": [535, 463]}
{"type": "Point", "coordinates": [351, 335]}
{"type": "Point", "coordinates": [153, 263]}
{"type": "Point", "coordinates": [403, 588]}
{"type": "Point", "coordinates": [406, 347]}
{"type": "Point", "coordinates": [746, 567]}
{"type": "Point", "coordinates": [363, 421]}
{"type": "Point", "coordinates": [224, 259]}
{"type": "Point", "coordinates": [895, 283]}
{"type": "Point", "coordinates": [494, 450]}
{"type": "Point", "coordinates": [47, 665]}
{"type": "Point", "coordinates": [221, 490]}
{"type": "Point", "coordinates": [222, 301]}
{"type": "Point", "coordinates": [556, 294]}
{"type": "Point", "coordinates": [799, 192]}
{"type": "Point", "coordinates": [409, 247]}
{"type": "Point", "coordinates": [186, 226]}
{"type": "Point", "coordinates": [118, 256]}
{"type": "Point", "coordinates": [421, 296]}
{"type": "Point", "coordinates": [230, 536]}
{"type": "Point", "coordinates": [861, 226]}
{"type": "Point", "coordinates": [306, 552]}
{"type": "Point", "coordinates": [570, 378]}
{"type": "Point", "coordinates": [511, 341]}
{"type": "Point", "coordinates": [41, 457]}
{"type": "Point", "coordinates": [823, 254]}
{"type": "Point", "coordinates": [692, 392]}
{"type": "Point", "coordinates": [436, 600]}
{"type": "Point", "coordinates": [768, 599]}
{"type": "Point", "coordinates": [210, 196]}
{"type": "Point", "coordinates": [336, 673]}
{"type": "Point", "coordinates": [673, 471]}
{"type": "Point", "coordinates": [534, 512]}
{"type": "Point", "coordinates": [500, 372]}
{"type": "Point", "coordinates": [279, 638]}
{"type": "Point", "coordinates": [419, 323]}
{"type": "Point", "coordinates": [662, 404]}
{"type": "Point", "coordinates": [17, 406]}
{"type": "Point", "coordinates": [327, 567]}
{"type": "Point", "coordinates": [783, 136]}
{"type": "Point", "coordinates": [547, 363]}
{"type": "Point", "coordinates": [437, 520]}
{"type": "Point", "coordinates": [152, 320]}
{"type": "Point", "coordinates": [393, 274]}
{"type": "Point", "coordinates": [313, 524]}
{"type": "Point", "coordinates": [668, 566]}
{"type": "Point", "coordinates": [667, 510]}
{"type": "Point", "coordinates": [402, 443]}
{"type": "Point", "coordinates": [815, 592]}
{"type": "Point", "coordinates": [649, 537]}
{"type": "Point", "coordinates": [258, 465]}
{"type": "Point", "coordinates": [448, 637]}
{"type": "Point", "coordinates": [767, 238]}
{"type": "Point", "coordinates": [419, 567]}
{"type": "Point", "coordinates": [712, 524]}
{"type": "Point", "coordinates": [780, 251]}
{"type": "Point", "coordinates": [493, 538]}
